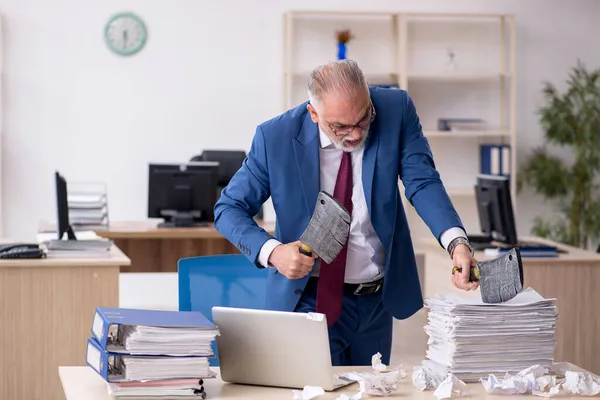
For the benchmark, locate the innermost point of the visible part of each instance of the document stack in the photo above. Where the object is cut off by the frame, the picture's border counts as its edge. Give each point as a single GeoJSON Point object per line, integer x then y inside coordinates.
{"type": "Point", "coordinates": [152, 353]}
{"type": "Point", "coordinates": [87, 244]}
{"type": "Point", "coordinates": [88, 206]}
{"type": "Point", "coordinates": [472, 339]}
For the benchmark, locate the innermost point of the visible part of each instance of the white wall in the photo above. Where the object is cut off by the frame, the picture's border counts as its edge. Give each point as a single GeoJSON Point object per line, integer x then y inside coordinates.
{"type": "Point", "coordinates": [210, 72]}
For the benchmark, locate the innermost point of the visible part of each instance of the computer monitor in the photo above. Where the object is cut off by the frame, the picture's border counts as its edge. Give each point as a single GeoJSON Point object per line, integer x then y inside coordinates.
{"type": "Point", "coordinates": [62, 208]}
{"type": "Point", "coordinates": [494, 206]}
{"type": "Point", "coordinates": [184, 195]}
{"type": "Point", "coordinates": [229, 161]}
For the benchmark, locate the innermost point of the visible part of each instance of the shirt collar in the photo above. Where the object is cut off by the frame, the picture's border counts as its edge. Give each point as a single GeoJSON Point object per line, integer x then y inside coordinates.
{"type": "Point", "coordinates": [325, 140]}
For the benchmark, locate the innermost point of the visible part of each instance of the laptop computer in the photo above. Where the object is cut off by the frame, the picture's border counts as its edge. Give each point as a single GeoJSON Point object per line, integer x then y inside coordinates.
{"type": "Point", "coordinates": [274, 348]}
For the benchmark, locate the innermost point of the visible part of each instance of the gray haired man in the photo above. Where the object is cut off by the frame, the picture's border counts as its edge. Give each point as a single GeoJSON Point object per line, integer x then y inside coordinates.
{"type": "Point", "coordinates": [354, 142]}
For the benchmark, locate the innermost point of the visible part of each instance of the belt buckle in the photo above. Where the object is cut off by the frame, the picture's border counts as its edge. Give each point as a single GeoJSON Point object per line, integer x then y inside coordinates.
{"type": "Point", "coordinates": [358, 289]}
{"type": "Point", "coordinates": [361, 286]}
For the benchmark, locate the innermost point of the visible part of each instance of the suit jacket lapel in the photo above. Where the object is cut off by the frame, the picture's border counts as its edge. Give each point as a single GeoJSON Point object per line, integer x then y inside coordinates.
{"type": "Point", "coordinates": [369, 159]}
{"type": "Point", "coordinates": [306, 149]}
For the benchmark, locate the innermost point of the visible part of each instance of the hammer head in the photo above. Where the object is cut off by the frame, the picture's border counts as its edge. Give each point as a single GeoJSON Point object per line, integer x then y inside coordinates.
{"type": "Point", "coordinates": [328, 228]}
{"type": "Point", "coordinates": [501, 279]}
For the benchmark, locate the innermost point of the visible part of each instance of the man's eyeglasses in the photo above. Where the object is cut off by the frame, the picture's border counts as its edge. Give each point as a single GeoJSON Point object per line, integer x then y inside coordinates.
{"type": "Point", "coordinates": [339, 130]}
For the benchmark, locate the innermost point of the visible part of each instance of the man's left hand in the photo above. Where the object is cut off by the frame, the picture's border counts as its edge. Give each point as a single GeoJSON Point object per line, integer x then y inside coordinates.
{"type": "Point", "coordinates": [462, 258]}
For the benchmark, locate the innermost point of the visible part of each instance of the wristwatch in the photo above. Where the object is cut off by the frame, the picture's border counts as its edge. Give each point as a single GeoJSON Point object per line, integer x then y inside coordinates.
{"type": "Point", "coordinates": [459, 240]}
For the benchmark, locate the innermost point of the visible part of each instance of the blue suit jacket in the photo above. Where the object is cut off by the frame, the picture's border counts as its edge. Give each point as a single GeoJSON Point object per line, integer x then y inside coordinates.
{"type": "Point", "coordinates": [283, 163]}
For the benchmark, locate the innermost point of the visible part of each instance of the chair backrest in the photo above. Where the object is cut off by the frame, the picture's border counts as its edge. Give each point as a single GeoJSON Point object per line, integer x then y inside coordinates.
{"type": "Point", "coordinates": [222, 280]}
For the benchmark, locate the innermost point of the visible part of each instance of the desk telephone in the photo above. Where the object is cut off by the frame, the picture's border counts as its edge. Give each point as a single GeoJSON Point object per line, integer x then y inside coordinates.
{"type": "Point", "coordinates": [21, 250]}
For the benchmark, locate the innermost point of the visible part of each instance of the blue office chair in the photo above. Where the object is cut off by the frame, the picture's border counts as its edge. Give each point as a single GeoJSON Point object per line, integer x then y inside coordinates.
{"type": "Point", "coordinates": [223, 280]}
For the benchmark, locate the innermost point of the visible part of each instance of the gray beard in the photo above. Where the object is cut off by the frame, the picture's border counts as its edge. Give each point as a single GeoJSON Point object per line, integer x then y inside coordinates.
{"type": "Point", "coordinates": [340, 145]}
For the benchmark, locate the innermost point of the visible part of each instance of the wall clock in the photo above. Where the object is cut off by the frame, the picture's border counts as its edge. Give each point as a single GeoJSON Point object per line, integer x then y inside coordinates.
{"type": "Point", "coordinates": [125, 34]}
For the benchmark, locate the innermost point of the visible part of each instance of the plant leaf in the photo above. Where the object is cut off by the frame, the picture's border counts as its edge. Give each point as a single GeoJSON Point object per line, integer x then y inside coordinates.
{"type": "Point", "coordinates": [569, 119]}
{"type": "Point", "coordinates": [546, 174]}
{"type": "Point", "coordinates": [555, 230]}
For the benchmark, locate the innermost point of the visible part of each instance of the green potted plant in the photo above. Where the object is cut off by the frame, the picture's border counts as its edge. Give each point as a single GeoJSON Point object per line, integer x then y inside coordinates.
{"type": "Point", "coordinates": [569, 120]}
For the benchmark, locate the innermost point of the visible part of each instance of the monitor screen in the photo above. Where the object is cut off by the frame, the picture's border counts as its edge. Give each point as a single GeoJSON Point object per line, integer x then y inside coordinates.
{"type": "Point", "coordinates": [494, 206]}
{"type": "Point", "coordinates": [229, 161]}
{"type": "Point", "coordinates": [184, 195]}
{"type": "Point", "coordinates": [62, 209]}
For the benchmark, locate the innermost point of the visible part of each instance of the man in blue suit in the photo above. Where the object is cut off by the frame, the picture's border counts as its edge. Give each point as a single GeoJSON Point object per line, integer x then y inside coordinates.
{"type": "Point", "coordinates": [354, 142]}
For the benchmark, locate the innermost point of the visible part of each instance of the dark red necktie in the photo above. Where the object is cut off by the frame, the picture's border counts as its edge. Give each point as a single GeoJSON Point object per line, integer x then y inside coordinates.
{"type": "Point", "coordinates": [330, 290]}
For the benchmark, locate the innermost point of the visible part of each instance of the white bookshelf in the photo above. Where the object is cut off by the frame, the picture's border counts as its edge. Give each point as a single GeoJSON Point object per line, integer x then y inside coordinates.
{"type": "Point", "coordinates": [411, 50]}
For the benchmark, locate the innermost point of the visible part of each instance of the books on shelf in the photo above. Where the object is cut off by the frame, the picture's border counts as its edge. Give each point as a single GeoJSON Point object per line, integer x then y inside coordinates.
{"type": "Point", "coordinates": [472, 339]}
{"type": "Point", "coordinates": [495, 159]}
{"type": "Point", "coordinates": [151, 353]}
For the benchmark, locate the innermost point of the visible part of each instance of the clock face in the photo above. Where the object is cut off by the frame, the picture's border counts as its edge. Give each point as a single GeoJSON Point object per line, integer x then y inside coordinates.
{"type": "Point", "coordinates": [125, 34]}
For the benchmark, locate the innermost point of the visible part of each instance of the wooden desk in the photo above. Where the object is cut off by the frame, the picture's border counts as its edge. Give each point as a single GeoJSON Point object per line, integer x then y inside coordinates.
{"type": "Point", "coordinates": [154, 249]}
{"type": "Point", "coordinates": [572, 278]}
{"type": "Point", "coordinates": [46, 312]}
{"type": "Point", "coordinates": [82, 383]}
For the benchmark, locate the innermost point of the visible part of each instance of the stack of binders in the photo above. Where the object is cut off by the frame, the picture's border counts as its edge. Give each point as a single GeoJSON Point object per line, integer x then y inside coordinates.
{"type": "Point", "coordinates": [152, 353]}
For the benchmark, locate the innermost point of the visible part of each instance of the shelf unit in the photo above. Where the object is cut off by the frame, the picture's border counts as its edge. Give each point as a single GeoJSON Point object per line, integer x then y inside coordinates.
{"type": "Point", "coordinates": [411, 51]}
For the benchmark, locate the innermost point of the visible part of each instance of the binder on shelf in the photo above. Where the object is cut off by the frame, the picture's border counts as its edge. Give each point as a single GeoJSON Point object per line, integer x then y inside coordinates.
{"type": "Point", "coordinates": [116, 367]}
{"type": "Point", "coordinates": [505, 160]}
{"type": "Point", "coordinates": [156, 332]}
{"type": "Point", "coordinates": [495, 159]}
{"type": "Point", "coordinates": [489, 159]}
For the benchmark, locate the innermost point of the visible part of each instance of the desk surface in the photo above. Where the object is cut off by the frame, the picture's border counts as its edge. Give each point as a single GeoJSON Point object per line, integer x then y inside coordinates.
{"type": "Point", "coordinates": [148, 229]}
{"type": "Point", "coordinates": [114, 258]}
{"type": "Point", "coordinates": [82, 383]}
{"type": "Point", "coordinates": [573, 254]}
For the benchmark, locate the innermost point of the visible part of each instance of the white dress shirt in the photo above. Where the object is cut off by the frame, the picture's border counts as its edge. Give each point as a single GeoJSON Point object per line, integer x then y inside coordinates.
{"type": "Point", "coordinates": [366, 255]}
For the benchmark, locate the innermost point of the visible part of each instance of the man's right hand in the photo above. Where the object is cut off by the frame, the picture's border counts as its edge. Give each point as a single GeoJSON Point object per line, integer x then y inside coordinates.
{"type": "Point", "coordinates": [290, 262]}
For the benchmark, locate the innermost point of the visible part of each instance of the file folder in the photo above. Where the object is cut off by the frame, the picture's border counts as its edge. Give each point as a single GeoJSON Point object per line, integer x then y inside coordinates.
{"type": "Point", "coordinates": [505, 157]}
{"type": "Point", "coordinates": [172, 390]}
{"type": "Point", "coordinates": [102, 362]}
{"type": "Point", "coordinates": [114, 367]}
{"type": "Point", "coordinates": [490, 159]}
{"type": "Point", "coordinates": [109, 325]}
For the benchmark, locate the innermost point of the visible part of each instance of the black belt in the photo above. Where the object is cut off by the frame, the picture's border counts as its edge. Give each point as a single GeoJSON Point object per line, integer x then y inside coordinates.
{"type": "Point", "coordinates": [358, 289]}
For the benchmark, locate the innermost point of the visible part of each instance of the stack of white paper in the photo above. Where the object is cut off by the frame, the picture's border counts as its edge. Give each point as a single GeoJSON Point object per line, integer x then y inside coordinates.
{"type": "Point", "coordinates": [160, 368]}
{"type": "Point", "coordinates": [140, 339]}
{"type": "Point", "coordinates": [159, 389]}
{"type": "Point", "coordinates": [472, 339]}
{"type": "Point", "coordinates": [88, 244]}
{"type": "Point", "coordinates": [88, 207]}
